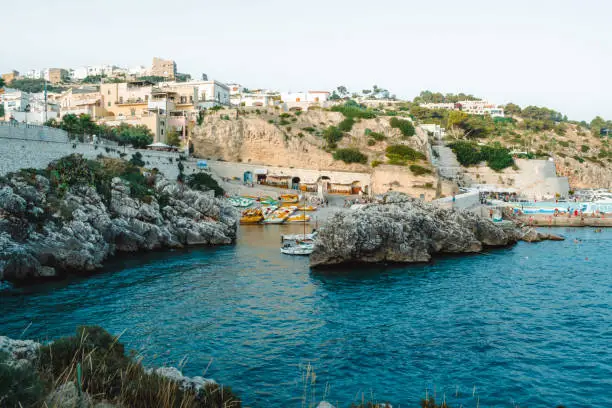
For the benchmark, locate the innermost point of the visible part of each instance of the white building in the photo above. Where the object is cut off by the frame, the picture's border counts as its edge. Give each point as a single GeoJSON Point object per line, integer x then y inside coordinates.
{"type": "Point", "coordinates": [137, 71]}
{"type": "Point", "coordinates": [469, 107]}
{"type": "Point", "coordinates": [235, 89]}
{"type": "Point", "coordinates": [303, 100]}
{"type": "Point", "coordinates": [26, 107]}
{"type": "Point", "coordinates": [34, 74]}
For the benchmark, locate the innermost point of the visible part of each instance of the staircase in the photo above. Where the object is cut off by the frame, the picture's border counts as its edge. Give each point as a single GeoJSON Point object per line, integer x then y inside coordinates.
{"type": "Point", "coordinates": [448, 167]}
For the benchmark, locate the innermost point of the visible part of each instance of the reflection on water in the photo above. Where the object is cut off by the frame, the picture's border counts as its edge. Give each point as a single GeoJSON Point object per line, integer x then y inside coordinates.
{"type": "Point", "coordinates": [530, 324]}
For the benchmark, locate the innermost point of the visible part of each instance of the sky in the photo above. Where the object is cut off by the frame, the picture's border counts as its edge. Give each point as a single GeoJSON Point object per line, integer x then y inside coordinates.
{"type": "Point", "coordinates": [538, 52]}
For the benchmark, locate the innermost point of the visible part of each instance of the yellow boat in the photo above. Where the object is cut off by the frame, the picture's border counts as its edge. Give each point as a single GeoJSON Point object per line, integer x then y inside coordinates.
{"type": "Point", "coordinates": [299, 218]}
{"type": "Point", "coordinates": [252, 216]}
{"type": "Point", "coordinates": [289, 198]}
{"type": "Point", "coordinates": [307, 208]}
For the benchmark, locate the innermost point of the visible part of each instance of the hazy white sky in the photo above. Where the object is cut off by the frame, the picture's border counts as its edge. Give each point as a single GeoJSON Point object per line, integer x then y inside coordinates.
{"type": "Point", "coordinates": [541, 52]}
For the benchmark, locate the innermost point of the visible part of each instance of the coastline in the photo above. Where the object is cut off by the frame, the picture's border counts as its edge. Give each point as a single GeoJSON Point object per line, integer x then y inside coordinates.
{"type": "Point", "coordinates": [543, 220]}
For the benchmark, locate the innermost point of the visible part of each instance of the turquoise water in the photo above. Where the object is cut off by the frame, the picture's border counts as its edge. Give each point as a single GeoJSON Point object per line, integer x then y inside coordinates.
{"type": "Point", "coordinates": [528, 325]}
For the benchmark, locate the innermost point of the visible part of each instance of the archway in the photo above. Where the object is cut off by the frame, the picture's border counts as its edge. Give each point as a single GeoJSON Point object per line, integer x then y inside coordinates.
{"type": "Point", "coordinates": [295, 183]}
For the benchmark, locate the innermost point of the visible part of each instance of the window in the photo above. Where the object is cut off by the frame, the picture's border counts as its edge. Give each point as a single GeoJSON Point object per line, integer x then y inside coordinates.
{"type": "Point", "coordinates": [133, 112]}
{"type": "Point", "coordinates": [121, 99]}
{"type": "Point", "coordinates": [109, 104]}
{"type": "Point", "coordinates": [191, 99]}
{"type": "Point", "coordinates": [109, 91]}
{"type": "Point", "coordinates": [146, 98]}
{"type": "Point", "coordinates": [162, 131]}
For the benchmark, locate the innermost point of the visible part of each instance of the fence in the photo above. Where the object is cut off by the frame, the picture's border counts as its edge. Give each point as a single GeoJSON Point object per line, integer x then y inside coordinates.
{"type": "Point", "coordinates": [24, 131]}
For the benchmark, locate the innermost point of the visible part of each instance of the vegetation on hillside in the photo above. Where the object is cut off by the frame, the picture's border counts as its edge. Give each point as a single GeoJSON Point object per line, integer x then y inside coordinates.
{"type": "Point", "coordinates": [34, 85]}
{"type": "Point", "coordinates": [350, 155]}
{"type": "Point", "coordinates": [405, 126]}
{"type": "Point", "coordinates": [77, 127]}
{"type": "Point", "coordinates": [332, 135]}
{"type": "Point", "coordinates": [470, 153]}
{"type": "Point", "coordinates": [401, 155]}
{"type": "Point", "coordinates": [204, 182]}
{"type": "Point", "coordinates": [352, 109]}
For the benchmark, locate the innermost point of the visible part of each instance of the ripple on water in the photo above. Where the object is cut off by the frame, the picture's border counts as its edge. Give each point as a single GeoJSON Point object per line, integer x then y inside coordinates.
{"type": "Point", "coordinates": [529, 325]}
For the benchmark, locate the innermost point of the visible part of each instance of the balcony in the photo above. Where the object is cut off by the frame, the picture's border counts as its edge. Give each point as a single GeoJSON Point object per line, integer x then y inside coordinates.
{"type": "Point", "coordinates": [131, 101]}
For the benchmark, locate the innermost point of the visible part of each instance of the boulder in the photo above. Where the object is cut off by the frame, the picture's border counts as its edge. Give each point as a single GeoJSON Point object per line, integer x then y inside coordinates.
{"type": "Point", "coordinates": [67, 396]}
{"type": "Point", "coordinates": [20, 352]}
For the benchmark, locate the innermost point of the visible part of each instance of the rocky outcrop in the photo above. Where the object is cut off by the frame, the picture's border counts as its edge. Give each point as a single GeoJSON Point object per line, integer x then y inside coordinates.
{"type": "Point", "coordinates": [186, 383]}
{"type": "Point", "coordinates": [405, 230]}
{"type": "Point", "coordinates": [43, 235]}
{"type": "Point", "coordinates": [19, 352]}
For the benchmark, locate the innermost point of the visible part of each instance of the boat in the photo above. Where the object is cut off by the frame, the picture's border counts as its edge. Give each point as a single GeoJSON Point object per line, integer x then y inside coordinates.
{"type": "Point", "coordinates": [299, 237]}
{"type": "Point", "coordinates": [268, 210]}
{"type": "Point", "coordinates": [301, 249]}
{"type": "Point", "coordinates": [299, 218]}
{"type": "Point", "coordinates": [240, 201]}
{"type": "Point", "coordinates": [289, 198]}
{"type": "Point", "coordinates": [307, 208]}
{"type": "Point", "coordinates": [268, 201]}
{"type": "Point", "coordinates": [279, 216]}
{"type": "Point", "coordinates": [252, 216]}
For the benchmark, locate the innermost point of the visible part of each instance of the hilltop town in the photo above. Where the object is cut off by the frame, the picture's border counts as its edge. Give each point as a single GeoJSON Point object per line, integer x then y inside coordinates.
{"type": "Point", "coordinates": [355, 141]}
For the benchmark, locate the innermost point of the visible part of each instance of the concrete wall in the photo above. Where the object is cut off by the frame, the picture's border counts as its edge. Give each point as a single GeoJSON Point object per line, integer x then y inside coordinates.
{"type": "Point", "coordinates": [31, 132]}
{"type": "Point", "coordinates": [462, 201]}
{"type": "Point", "coordinates": [534, 178]}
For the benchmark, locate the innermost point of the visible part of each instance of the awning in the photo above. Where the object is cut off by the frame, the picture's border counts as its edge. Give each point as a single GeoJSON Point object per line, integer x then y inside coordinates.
{"type": "Point", "coordinates": [202, 163]}
{"type": "Point", "coordinates": [158, 144]}
{"type": "Point", "coordinates": [261, 171]}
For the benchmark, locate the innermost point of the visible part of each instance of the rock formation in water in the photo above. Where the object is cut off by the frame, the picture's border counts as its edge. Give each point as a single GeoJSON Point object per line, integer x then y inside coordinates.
{"type": "Point", "coordinates": [405, 230]}
{"type": "Point", "coordinates": [73, 216]}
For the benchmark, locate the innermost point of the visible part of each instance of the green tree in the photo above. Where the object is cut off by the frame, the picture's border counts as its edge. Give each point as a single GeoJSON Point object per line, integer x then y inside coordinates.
{"type": "Point", "coordinates": [597, 124]}
{"type": "Point", "coordinates": [342, 90]}
{"type": "Point", "coordinates": [1, 82]}
{"type": "Point", "coordinates": [404, 126]}
{"type": "Point", "coordinates": [512, 109]}
{"type": "Point", "coordinates": [173, 138]}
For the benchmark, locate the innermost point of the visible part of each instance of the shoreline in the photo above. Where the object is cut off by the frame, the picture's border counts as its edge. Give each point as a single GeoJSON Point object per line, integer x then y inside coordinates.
{"type": "Point", "coordinates": [540, 220]}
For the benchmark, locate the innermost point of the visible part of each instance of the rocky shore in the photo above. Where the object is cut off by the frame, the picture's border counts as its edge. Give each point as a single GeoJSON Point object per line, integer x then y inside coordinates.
{"type": "Point", "coordinates": [405, 230]}
{"type": "Point", "coordinates": [77, 213]}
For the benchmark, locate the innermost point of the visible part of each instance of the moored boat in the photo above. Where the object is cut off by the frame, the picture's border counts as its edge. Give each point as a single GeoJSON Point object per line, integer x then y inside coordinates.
{"type": "Point", "coordinates": [252, 216]}
{"type": "Point", "coordinates": [301, 249]}
{"type": "Point", "coordinates": [289, 198]}
{"type": "Point", "coordinates": [299, 218]}
{"type": "Point", "coordinates": [307, 208]}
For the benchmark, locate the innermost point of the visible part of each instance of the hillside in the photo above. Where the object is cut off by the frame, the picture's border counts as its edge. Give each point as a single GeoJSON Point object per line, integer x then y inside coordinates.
{"type": "Point", "coordinates": [298, 139]}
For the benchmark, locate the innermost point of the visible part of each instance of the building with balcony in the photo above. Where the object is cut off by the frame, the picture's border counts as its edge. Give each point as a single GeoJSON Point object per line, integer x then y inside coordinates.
{"type": "Point", "coordinates": [81, 101]}
{"type": "Point", "coordinates": [469, 107]}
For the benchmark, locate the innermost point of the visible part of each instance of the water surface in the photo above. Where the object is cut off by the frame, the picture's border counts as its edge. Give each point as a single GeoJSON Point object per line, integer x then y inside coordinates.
{"type": "Point", "coordinates": [528, 325]}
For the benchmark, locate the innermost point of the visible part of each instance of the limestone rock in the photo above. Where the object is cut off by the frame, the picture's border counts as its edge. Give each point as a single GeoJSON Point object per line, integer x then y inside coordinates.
{"type": "Point", "coordinates": [43, 237]}
{"type": "Point", "coordinates": [405, 230]}
{"type": "Point", "coordinates": [172, 373]}
{"type": "Point", "coordinates": [20, 352]}
{"type": "Point", "coordinates": [67, 396]}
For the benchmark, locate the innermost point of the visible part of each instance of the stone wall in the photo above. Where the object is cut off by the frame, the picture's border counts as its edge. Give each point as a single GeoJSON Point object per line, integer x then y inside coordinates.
{"type": "Point", "coordinates": [32, 132]}
{"type": "Point", "coordinates": [17, 154]}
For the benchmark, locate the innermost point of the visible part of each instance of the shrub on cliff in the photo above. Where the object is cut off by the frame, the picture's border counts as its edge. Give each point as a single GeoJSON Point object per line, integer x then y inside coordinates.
{"type": "Point", "coordinates": [346, 125]}
{"type": "Point", "coordinates": [204, 182]}
{"type": "Point", "coordinates": [350, 156]}
{"type": "Point", "coordinates": [469, 154]}
{"type": "Point", "coordinates": [419, 170]}
{"type": "Point", "coordinates": [352, 109]}
{"type": "Point", "coordinates": [332, 136]}
{"type": "Point", "coordinates": [404, 153]}
{"type": "Point", "coordinates": [405, 126]}
{"type": "Point", "coordinates": [107, 373]}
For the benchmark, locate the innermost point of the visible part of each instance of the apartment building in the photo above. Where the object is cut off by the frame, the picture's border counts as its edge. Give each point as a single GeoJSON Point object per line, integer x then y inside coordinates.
{"type": "Point", "coordinates": [81, 101]}
{"type": "Point", "coordinates": [163, 68]}
{"type": "Point", "coordinates": [27, 107]}
{"type": "Point", "coordinates": [470, 107]}
{"type": "Point", "coordinates": [10, 77]}
{"type": "Point", "coordinates": [55, 75]}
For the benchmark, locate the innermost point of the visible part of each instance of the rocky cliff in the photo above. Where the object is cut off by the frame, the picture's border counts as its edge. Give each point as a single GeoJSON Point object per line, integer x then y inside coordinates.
{"type": "Point", "coordinates": [71, 217]}
{"type": "Point", "coordinates": [401, 229]}
{"type": "Point", "coordinates": [292, 140]}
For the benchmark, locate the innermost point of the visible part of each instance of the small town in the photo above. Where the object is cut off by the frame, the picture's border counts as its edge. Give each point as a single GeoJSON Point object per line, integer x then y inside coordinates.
{"type": "Point", "coordinates": [347, 204]}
